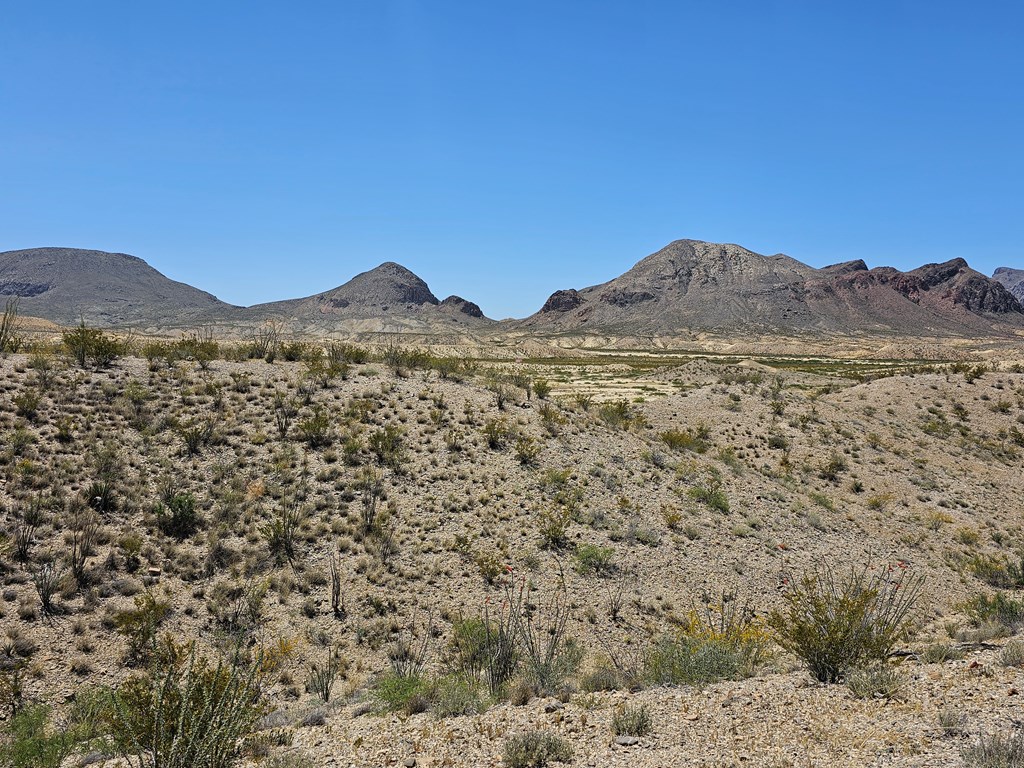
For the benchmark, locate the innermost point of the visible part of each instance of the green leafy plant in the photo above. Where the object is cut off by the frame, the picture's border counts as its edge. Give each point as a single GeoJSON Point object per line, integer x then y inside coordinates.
{"type": "Point", "coordinates": [836, 623]}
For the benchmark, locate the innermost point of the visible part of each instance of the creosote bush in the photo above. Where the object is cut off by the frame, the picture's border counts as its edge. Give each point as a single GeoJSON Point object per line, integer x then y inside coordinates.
{"type": "Point", "coordinates": [836, 623]}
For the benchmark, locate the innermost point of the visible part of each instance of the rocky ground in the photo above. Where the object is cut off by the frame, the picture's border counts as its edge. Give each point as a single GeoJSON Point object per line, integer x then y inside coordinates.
{"type": "Point", "coordinates": [695, 479]}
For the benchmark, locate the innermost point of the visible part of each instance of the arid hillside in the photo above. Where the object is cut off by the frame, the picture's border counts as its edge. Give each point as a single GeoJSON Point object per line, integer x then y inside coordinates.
{"type": "Point", "coordinates": [372, 532]}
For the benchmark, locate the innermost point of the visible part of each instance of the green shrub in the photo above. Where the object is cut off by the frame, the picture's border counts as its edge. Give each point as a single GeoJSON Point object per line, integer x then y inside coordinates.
{"type": "Point", "coordinates": [187, 711]}
{"type": "Point", "coordinates": [1006, 611]}
{"type": "Point", "coordinates": [315, 430]}
{"type": "Point", "coordinates": [484, 649]}
{"type": "Point", "coordinates": [632, 721]}
{"type": "Point", "coordinates": [395, 692]}
{"type": "Point", "coordinates": [527, 450]}
{"type": "Point", "coordinates": [620, 415]}
{"type": "Point", "coordinates": [281, 533]}
{"type": "Point", "coordinates": [836, 624]}
{"type": "Point", "coordinates": [553, 526]}
{"type": "Point", "coordinates": [387, 445]}
{"type": "Point", "coordinates": [535, 749]}
{"type": "Point", "coordinates": [90, 345]}
{"type": "Point", "coordinates": [712, 494]}
{"type": "Point", "coordinates": [457, 695]}
{"type": "Point", "coordinates": [139, 625]}
{"type": "Point", "coordinates": [1012, 654]}
{"type": "Point", "coordinates": [696, 440]}
{"type": "Point", "coordinates": [179, 516]}
{"type": "Point", "coordinates": [31, 742]}
{"type": "Point", "coordinates": [603, 677]}
{"type": "Point", "coordinates": [692, 660]}
{"type": "Point", "coordinates": [592, 558]}
{"type": "Point", "coordinates": [498, 433]}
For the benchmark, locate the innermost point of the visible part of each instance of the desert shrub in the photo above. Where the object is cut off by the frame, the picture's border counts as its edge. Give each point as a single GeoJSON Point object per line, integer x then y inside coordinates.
{"type": "Point", "coordinates": [498, 433]}
{"type": "Point", "coordinates": [553, 526]}
{"type": "Point", "coordinates": [178, 517]}
{"type": "Point", "coordinates": [1012, 654]}
{"type": "Point", "coordinates": [832, 467]}
{"type": "Point", "coordinates": [998, 750]}
{"type": "Point", "coordinates": [338, 352]}
{"type": "Point", "coordinates": [620, 415]}
{"type": "Point", "coordinates": [875, 681]}
{"type": "Point", "coordinates": [139, 625]}
{"type": "Point", "coordinates": [527, 450]}
{"type": "Point", "coordinates": [187, 711]}
{"type": "Point", "coordinates": [26, 404]}
{"type": "Point", "coordinates": [710, 493]}
{"type": "Point", "coordinates": [456, 695]}
{"type": "Point", "coordinates": [30, 741]}
{"type": "Point", "coordinates": [484, 649]}
{"type": "Point", "coordinates": [90, 345]}
{"type": "Point", "coordinates": [835, 623]}
{"type": "Point", "coordinates": [998, 572]}
{"type": "Point", "coordinates": [199, 346]}
{"type": "Point", "coordinates": [632, 721]}
{"type": "Point", "coordinates": [101, 496]}
{"type": "Point", "coordinates": [548, 654]}
{"type": "Point", "coordinates": [604, 676]}
{"type": "Point", "coordinates": [395, 692]}
{"type": "Point", "coordinates": [316, 429]}
{"type": "Point", "coordinates": [196, 435]}
{"type": "Point", "coordinates": [320, 678]}
{"type": "Point", "coordinates": [47, 580]}
{"type": "Point", "coordinates": [542, 388]}
{"type": "Point", "coordinates": [387, 444]}
{"type": "Point", "coordinates": [281, 532]}
{"type": "Point", "coordinates": [592, 558]}
{"type": "Point", "coordinates": [535, 749]}
{"type": "Point", "coordinates": [999, 608]}
{"type": "Point", "coordinates": [696, 440]}
{"type": "Point", "coordinates": [936, 653]}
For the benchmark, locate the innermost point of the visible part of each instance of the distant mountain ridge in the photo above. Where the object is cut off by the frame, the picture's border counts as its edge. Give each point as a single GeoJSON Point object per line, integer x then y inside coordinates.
{"type": "Point", "coordinates": [1013, 279]}
{"type": "Point", "coordinates": [694, 285]}
{"type": "Point", "coordinates": [66, 285]}
{"type": "Point", "coordinates": [690, 286]}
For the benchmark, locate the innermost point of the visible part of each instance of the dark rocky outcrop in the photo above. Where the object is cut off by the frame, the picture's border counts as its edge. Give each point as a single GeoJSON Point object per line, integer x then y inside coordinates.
{"type": "Point", "coordinates": [562, 301]}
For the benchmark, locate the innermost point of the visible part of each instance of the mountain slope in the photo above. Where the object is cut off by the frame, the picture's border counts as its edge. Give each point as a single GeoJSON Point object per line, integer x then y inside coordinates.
{"type": "Point", "coordinates": [1013, 279]}
{"type": "Point", "coordinates": [65, 285]}
{"type": "Point", "coordinates": [691, 285]}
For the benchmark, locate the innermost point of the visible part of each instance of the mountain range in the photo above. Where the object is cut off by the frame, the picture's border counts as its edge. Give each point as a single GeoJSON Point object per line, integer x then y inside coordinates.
{"type": "Point", "coordinates": [689, 286]}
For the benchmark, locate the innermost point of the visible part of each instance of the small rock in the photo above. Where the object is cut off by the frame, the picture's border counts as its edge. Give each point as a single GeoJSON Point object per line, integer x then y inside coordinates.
{"type": "Point", "coordinates": [626, 741]}
{"type": "Point", "coordinates": [410, 762]}
{"type": "Point", "coordinates": [553, 706]}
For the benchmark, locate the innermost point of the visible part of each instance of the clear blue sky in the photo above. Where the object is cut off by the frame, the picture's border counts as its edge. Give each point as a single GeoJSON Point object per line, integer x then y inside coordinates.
{"type": "Point", "coordinates": [504, 150]}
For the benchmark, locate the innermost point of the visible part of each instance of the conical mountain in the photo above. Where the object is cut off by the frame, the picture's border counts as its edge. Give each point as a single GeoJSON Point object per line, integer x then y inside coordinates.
{"type": "Point", "coordinates": [386, 299]}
